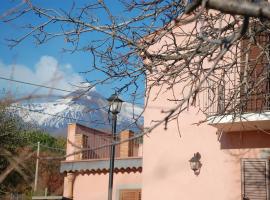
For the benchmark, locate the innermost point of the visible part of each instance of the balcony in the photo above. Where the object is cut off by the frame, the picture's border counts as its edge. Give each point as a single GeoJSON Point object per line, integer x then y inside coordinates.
{"type": "Point", "coordinates": [244, 122]}
{"type": "Point", "coordinates": [128, 149]}
{"type": "Point", "coordinates": [238, 96]}
{"type": "Point", "coordinates": [88, 151]}
{"type": "Point", "coordinates": [232, 109]}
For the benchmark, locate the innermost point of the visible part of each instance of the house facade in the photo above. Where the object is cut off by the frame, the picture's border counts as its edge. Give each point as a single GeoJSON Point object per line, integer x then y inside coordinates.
{"type": "Point", "coordinates": [233, 148]}
{"type": "Point", "coordinates": [87, 165]}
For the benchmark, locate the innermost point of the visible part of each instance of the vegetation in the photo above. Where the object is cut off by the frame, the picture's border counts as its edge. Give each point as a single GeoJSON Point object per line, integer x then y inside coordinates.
{"type": "Point", "coordinates": [18, 145]}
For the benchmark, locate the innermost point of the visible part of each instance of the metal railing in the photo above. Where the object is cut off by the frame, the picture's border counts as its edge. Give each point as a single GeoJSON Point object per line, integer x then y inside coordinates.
{"type": "Point", "coordinates": [235, 96]}
{"type": "Point", "coordinates": [126, 149]}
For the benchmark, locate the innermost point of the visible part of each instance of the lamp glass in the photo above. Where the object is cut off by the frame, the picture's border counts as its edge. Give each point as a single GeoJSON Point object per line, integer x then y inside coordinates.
{"type": "Point", "coordinates": [194, 165]}
{"type": "Point", "coordinates": [115, 104]}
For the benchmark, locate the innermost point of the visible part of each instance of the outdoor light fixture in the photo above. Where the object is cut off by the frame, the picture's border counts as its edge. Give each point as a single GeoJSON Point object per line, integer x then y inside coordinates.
{"type": "Point", "coordinates": [195, 163]}
{"type": "Point", "coordinates": [115, 104]}
{"type": "Point", "coordinates": [115, 107]}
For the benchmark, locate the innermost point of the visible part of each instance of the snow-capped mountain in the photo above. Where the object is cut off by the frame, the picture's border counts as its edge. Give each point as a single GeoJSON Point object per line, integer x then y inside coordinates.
{"type": "Point", "coordinates": [89, 109]}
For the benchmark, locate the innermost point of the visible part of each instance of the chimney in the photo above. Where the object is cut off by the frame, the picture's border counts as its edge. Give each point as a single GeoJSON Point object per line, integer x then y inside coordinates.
{"type": "Point", "coordinates": [127, 149]}
{"type": "Point", "coordinates": [75, 141]}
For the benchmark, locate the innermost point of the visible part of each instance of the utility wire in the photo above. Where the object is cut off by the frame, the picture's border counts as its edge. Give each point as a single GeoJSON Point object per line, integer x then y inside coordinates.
{"type": "Point", "coordinates": [48, 147]}
{"type": "Point", "coordinates": [48, 87]}
{"type": "Point", "coordinates": [34, 84]}
{"type": "Point", "coordinates": [81, 150]}
{"type": "Point", "coordinates": [64, 90]}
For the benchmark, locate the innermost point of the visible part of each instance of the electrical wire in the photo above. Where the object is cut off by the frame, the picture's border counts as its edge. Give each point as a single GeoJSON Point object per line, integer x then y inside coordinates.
{"type": "Point", "coordinates": [64, 90]}
{"type": "Point", "coordinates": [34, 84]}
{"type": "Point", "coordinates": [49, 87]}
{"type": "Point", "coordinates": [48, 147]}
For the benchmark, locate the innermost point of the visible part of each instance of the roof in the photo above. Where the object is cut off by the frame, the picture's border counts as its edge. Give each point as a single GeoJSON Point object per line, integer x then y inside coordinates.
{"type": "Point", "coordinates": [99, 166]}
{"type": "Point", "coordinates": [88, 129]}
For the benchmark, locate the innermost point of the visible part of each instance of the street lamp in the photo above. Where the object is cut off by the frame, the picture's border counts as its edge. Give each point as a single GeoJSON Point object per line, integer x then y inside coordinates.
{"type": "Point", "coordinates": [115, 104]}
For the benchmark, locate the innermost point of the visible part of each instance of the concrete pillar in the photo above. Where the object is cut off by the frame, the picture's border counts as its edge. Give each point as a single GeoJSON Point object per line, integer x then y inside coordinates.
{"type": "Point", "coordinates": [71, 130]}
{"type": "Point", "coordinates": [79, 144]}
{"type": "Point", "coordinates": [68, 185]}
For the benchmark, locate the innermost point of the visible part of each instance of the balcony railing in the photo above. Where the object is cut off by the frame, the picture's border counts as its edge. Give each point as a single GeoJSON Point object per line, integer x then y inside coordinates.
{"type": "Point", "coordinates": [236, 95]}
{"type": "Point", "coordinates": [94, 144]}
{"type": "Point", "coordinates": [232, 108]}
{"type": "Point", "coordinates": [254, 103]}
{"type": "Point", "coordinates": [126, 149]}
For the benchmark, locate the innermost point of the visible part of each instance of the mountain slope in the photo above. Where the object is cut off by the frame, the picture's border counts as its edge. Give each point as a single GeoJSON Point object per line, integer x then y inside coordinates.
{"type": "Point", "coordinates": [89, 109]}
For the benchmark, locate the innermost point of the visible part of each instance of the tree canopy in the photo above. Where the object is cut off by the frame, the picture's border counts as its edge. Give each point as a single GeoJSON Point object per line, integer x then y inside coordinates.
{"type": "Point", "coordinates": [223, 36]}
{"type": "Point", "coordinates": [18, 144]}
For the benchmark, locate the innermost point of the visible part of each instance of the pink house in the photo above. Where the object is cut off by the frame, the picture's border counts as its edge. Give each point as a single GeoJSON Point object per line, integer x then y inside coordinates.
{"type": "Point", "coordinates": [232, 151]}
{"type": "Point", "coordinates": [87, 171]}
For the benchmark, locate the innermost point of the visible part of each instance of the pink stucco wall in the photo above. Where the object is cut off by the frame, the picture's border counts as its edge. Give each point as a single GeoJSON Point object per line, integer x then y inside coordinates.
{"type": "Point", "coordinates": [82, 185]}
{"type": "Point", "coordinates": [166, 169]}
{"type": "Point", "coordinates": [95, 187]}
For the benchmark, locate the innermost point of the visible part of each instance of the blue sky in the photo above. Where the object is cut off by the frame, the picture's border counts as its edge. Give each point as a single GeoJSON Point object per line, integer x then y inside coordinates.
{"type": "Point", "coordinates": [31, 63]}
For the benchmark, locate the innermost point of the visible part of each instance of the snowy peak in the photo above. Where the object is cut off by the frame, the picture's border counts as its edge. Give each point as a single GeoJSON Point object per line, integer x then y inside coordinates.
{"type": "Point", "coordinates": [87, 108]}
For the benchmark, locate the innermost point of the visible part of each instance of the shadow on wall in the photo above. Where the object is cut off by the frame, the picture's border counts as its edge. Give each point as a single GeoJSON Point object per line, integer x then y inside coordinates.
{"type": "Point", "coordinates": [245, 140]}
{"type": "Point", "coordinates": [249, 153]}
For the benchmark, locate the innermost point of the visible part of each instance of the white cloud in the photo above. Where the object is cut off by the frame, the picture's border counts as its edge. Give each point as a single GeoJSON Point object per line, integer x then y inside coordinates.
{"type": "Point", "coordinates": [47, 71]}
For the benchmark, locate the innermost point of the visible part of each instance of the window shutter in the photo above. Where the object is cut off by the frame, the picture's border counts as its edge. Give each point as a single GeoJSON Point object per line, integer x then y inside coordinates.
{"type": "Point", "coordinates": [255, 179]}
{"type": "Point", "coordinates": [130, 194]}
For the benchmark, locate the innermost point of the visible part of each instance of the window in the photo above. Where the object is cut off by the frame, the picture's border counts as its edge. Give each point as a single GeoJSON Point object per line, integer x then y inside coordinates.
{"type": "Point", "coordinates": [255, 179]}
{"type": "Point", "coordinates": [130, 194]}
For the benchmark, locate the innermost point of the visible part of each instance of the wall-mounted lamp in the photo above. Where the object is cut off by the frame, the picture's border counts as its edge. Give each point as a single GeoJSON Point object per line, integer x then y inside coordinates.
{"type": "Point", "coordinates": [195, 163]}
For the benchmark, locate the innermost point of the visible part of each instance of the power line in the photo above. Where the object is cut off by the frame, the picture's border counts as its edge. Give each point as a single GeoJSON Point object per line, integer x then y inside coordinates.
{"type": "Point", "coordinates": [64, 90]}
{"type": "Point", "coordinates": [48, 147]}
{"type": "Point", "coordinates": [34, 84]}
{"type": "Point", "coordinates": [81, 150]}
{"type": "Point", "coordinates": [48, 87]}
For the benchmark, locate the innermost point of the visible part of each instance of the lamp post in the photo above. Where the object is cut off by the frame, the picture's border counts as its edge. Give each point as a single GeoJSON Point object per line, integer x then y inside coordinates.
{"type": "Point", "coordinates": [115, 104]}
